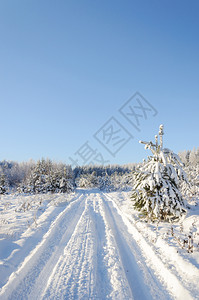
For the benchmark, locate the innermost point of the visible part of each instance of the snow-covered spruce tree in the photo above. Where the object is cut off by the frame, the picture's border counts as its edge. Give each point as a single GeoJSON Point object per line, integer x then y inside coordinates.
{"type": "Point", "coordinates": [156, 194]}
{"type": "Point", "coordinates": [36, 181]}
{"type": "Point", "coordinates": [66, 181]}
{"type": "Point", "coordinates": [3, 184]}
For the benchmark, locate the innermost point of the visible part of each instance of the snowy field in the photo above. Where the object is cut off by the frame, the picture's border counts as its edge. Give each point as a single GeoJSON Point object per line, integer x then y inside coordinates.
{"type": "Point", "coordinates": [92, 245]}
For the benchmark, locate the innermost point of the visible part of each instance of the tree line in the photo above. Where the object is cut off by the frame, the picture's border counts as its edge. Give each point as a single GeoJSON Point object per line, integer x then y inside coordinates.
{"type": "Point", "coordinates": [46, 176]}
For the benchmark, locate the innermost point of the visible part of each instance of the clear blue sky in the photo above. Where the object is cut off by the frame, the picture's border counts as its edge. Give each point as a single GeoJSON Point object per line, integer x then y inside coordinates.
{"type": "Point", "coordinates": [66, 67]}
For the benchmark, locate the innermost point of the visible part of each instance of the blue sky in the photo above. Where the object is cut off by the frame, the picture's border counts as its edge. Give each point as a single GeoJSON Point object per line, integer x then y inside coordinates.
{"type": "Point", "coordinates": [66, 68]}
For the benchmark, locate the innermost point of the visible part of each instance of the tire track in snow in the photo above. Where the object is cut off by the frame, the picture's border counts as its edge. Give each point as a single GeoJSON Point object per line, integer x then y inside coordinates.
{"type": "Point", "coordinates": [30, 279]}
{"type": "Point", "coordinates": [186, 272]}
{"type": "Point", "coordinates": [72, 275]}
{"type": "Point", "coordinates": [138, 282]}
{"type": "Point", "coordinates": [88, 253]}
{"type": "Point", "coordinates": [81, 272]}
{"type": "Point", "coordinates": [148, 257]}
{"type": "Point", "coordinates": [90, 266]}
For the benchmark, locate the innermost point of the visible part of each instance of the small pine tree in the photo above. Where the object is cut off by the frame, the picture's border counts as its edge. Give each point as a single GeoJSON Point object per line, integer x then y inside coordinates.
{"type": "Point", "coordinates": [3, 184]}
{"type": "Point", "coordinates": [156, 194]}
{"type": "Point", "coordinates": [36, 181]}
{"type": "Point", "coordinates": [66, 181]}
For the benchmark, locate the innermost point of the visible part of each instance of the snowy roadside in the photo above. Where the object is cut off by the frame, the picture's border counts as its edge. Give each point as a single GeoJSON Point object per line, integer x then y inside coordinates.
{"type": "Point", "coordinates": [23, 222]}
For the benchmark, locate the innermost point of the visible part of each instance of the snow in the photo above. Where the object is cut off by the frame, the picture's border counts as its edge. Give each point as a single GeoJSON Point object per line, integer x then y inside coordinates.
{"type": "Point", "coordinates": [92, 245]}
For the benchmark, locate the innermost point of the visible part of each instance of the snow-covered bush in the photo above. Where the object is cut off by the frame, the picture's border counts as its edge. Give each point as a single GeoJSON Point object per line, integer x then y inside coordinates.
{"type": "Point", "coordinates": [89, 180]}
{"type": "Point", "coordinates": [156, 193]}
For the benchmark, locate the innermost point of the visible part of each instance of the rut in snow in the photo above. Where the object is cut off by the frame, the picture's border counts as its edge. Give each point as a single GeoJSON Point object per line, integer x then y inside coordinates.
{"type": "Point", "coordinates": [87, 253]}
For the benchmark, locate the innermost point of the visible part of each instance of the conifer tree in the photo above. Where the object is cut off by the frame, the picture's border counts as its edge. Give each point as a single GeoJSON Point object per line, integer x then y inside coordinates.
{"type": "Point", "coordinates": [66, 181]}
{"type": "Point", "coordinates": [156, 194]}
{"type": "Point", "coordinates": [105, 182]}
{"type": "Point", "coordinates": [3, 184]}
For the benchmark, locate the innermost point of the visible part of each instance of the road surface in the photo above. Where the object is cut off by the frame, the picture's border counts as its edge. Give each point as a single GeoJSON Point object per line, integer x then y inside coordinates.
{"type": "Point", "coordinates": [88, 252]}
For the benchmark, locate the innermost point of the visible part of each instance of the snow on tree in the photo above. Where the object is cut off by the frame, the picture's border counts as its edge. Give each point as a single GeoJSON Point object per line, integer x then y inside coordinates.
{"type": "Point", "coordinates": [190, 189]}
{"type": "Point", "coordinates": [36, 180]}
{"type": "Point", "coordinates": [105, 183]}
{"type": "Point", "coordinates": [89, 180]}
{"type": "Point", "coordinates": [66, 181]}
{"type": "Point", "coordinates": [194, 156]}
{"type": "Point", "coordinates": [3, 184]}
{"type": "Point", "coordinates": [156, 194]}
{"type": "Point", "coordinates": [46, 176]}
{"type": "Point", "coordinates": [83, 181]}
{"type": "Point", "coordinates": [190, 157]}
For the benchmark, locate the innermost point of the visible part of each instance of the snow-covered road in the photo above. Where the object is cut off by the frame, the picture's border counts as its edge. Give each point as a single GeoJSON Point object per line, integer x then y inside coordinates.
{"type": "Point", "coordinates": [92, 251]}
